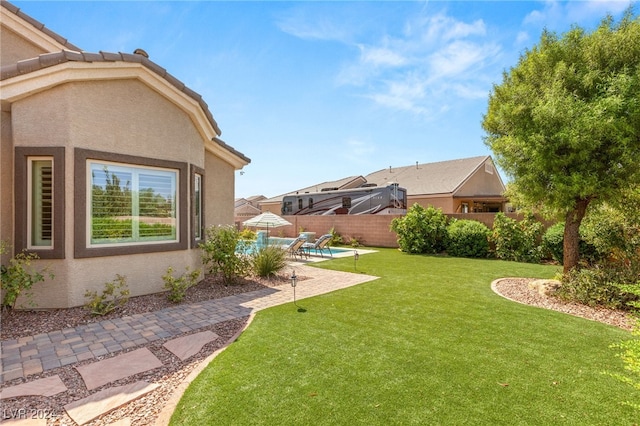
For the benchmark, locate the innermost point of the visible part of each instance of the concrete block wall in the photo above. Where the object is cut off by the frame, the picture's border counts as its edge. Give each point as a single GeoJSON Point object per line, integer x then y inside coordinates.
{"type": "Point", "coordinates": [369, 230]}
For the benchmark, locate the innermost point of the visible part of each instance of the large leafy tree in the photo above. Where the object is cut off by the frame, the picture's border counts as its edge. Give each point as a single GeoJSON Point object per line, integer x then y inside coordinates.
{"type": "Point", "coordinates": [564, 123]}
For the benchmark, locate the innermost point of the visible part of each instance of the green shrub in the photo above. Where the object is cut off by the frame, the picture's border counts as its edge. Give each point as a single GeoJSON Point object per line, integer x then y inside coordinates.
{"type": "Point", "coordinates": [602, 286]}
{"type": "Point", "coordinates": [248, 234]}
{"type": "Point", "coordinates": [421, 230]}
{"type": "Point", "coordinates": [552, 242]}
{"type": "Point", "coordinates": [19, 276]}
{"type": "Point", "coordinates": [630, 349]}
{"type": "Point", "coordinates": [468, 238]}
{"type": "Point", "coordinates": [269, 260]}
{"type": "Point", "coordinates": [553, 245]}
{"type": "Point", "coordinates": [178, 286]}
{"type": "Point", "coordinates": [336, 239]}
{"type": "Point", "coordinates": [114, 295]}
{"type": "Point", "coordinates": [223, 253]}
{"type": "Point", "coordinates": [518, 241]}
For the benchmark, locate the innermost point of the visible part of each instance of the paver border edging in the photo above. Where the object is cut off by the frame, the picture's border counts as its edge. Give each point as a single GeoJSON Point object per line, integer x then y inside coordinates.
{"type": "Point", "coordinates": [165, 415]}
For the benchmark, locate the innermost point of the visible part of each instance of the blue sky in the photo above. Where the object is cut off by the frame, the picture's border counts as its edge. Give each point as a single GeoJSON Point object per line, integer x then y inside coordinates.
{"type": "Point", "coordinates": [317, 91]}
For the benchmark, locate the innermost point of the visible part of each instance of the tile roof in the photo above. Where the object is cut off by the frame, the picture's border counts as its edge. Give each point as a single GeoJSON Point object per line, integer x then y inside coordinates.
{"type": "Point", "coordinates": [74, 54]}
{"type": "Point", "coordinates": [39, 25]}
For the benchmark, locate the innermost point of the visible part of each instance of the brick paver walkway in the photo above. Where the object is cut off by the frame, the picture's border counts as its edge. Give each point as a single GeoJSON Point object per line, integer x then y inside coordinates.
{"type": "Point", "coordinates": [34, 354]}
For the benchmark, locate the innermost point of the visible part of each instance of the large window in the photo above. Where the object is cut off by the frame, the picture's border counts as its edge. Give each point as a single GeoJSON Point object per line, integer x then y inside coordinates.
{"type": "Point", "coordinates": [40, 202]}
{"type": "Point", "coordinates": [131, 204]}
{"type": "Point", "coordinates": [127, 204]}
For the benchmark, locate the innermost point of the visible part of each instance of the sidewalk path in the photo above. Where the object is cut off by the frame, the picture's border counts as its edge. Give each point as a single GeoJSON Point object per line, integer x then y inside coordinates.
{"type": "Point", "coordinates": [34, 354]}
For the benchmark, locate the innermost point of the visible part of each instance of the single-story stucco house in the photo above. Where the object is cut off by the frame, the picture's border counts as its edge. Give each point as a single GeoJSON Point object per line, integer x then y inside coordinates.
{"type": "Point", "coordinates": [109, 164]}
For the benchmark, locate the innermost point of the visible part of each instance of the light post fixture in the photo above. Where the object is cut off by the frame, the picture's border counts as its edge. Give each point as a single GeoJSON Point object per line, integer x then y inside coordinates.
{"type": "Point", "coordinates": [356, 256]}
{"type": "Point", "coordinates": [294, 282]}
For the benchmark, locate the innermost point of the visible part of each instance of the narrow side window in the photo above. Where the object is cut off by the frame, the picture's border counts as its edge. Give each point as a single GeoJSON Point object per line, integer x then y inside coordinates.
{"type": "Point", "coordinates": [197, 200]}
{"type": "Point", "coordinates": [40, 203]}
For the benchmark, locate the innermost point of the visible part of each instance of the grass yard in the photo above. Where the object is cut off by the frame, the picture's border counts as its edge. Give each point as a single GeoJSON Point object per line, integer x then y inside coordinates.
{"type": "Point", "coordinates": [427, 343]}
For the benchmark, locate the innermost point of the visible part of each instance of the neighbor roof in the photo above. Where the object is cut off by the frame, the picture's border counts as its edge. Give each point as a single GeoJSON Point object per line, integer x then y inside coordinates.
{"type": "Point", "coordinates": [443, 177]}
{"type": "Point", "coordinates": [344, 183]}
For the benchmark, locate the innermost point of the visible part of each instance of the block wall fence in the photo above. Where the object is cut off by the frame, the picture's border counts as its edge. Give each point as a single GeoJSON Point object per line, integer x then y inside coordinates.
{"type": "Point", "coordinates": [369, 230]}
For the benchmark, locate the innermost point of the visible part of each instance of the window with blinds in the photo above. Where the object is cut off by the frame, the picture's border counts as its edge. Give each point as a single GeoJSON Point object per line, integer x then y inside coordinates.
{"type": "Point", "coordinates": [197, 200]}
{"type": "Point", "coordinates": [131, 204]}
{"type": "Point", "coordinates": [40, 229]}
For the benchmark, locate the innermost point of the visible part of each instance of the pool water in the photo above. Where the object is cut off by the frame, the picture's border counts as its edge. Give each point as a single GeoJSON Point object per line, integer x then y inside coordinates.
{"type": "Point", "coordinates": [251, 247]}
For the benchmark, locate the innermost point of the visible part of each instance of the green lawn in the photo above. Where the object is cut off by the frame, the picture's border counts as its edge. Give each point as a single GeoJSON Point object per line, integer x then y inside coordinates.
{"type": "Point", "coordinates": [427, 343]}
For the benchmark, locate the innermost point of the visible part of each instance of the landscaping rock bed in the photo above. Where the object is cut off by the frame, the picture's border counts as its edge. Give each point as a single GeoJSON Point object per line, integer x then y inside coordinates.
{"type": "Point", "coordinates": [518, 290]}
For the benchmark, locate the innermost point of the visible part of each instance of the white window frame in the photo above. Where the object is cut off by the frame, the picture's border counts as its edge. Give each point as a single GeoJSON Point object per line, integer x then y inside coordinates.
{"type": "Point", "coordinates": [31, 245]}
{"type": "Point", "coordinates": [199, 211]}
{"type": "Point", "coordinates": [136, 169]}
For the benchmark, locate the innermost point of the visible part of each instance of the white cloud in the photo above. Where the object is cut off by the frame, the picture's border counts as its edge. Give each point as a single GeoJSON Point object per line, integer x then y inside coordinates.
{"type": "Point", "coordinates": [460, 57]}
{"type": "Point", "coordinates": [555, 14]}
{"type": "Point", "coordinates": [522, 38]}
{"type": "Point", "coordinates": [299, 23]}
{"type": "Point", "coordinates": [432, 62]}
{"type": "Point", "coordinates": [358, 151]}
{"type": "Point", "coordinates": [381, 56]}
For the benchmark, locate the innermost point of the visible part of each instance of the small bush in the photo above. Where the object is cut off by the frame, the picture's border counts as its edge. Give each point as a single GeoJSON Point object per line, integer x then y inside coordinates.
{"type": "Point", "coordinates": [222, 253]}
{"type": "Point", "coordinates": [114, 295]}
{"type": "Point", "coordinates": [269, 260]}
{"type": "Point", "coordinates": [336, 239]}
{"type": "Point", "coordinates": [421, 230]}
{"type": "Point", "coordinates": [599, 286]}
{"type": "Point", "coordinates": [178, 286]}
{"type": "Point", "coordinates": [248, 234]}
{"type": "Point", "coordinates": [19, 276]}
{"type": "Point", "coordinates": [468, 238]}
{"type": "Point", "coordinates": [552, 242]}
{"type": "Point", "coordinates": [553, 245]}
{"type": "Point", "coordinates": [517, 241]}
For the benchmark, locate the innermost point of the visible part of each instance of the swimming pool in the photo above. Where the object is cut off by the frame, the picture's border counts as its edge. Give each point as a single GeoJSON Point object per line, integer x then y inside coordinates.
{"type": "Point", "coordinates": [252, 246]}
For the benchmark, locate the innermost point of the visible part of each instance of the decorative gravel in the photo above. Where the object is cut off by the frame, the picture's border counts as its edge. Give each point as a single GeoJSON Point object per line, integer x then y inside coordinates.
{"type": "Point", "coordinates": [517, 289]}
{"type": "Point", "coordinates": [145, 410]}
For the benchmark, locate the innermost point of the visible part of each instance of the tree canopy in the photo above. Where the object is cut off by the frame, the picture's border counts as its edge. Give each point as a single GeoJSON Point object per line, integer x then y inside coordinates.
{"type": "Point", "coordinates": [564, 123]}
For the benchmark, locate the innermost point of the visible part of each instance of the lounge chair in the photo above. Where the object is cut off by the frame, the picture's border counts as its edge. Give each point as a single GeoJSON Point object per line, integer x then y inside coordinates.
{"type": "Point", "coordinates": [319, 245]}
{"type": "Point", "coordinates": [295, 248]}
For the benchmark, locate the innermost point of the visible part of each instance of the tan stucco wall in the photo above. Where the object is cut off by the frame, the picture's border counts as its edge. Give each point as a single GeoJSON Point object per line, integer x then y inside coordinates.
{"type": "Point", "coordinates": [219, 192]}
{"type": "Point", "coordinates": [446, 203]}
{"type": "Point", "coordinates": [114, 116]}
{"type": "Point", "coordinates": [6, 182]}
{"type": "Point", "coordinates": [15, 48]}
{"type": "Point", "coordinates": [143, 274]}
{"type": "Point", "coordinates": [481, 183]}
{"type": "Point", "coordinates": [123, 117]}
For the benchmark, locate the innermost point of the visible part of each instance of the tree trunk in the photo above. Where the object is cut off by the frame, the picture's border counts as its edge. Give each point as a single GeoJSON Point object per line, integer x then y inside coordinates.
{"type": "Point", "coordinates": [571, 244]}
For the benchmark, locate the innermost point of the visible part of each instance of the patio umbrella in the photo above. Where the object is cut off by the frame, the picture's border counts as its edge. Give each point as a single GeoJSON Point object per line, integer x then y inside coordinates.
{"type": "Point", "coordinates": [266, 220]}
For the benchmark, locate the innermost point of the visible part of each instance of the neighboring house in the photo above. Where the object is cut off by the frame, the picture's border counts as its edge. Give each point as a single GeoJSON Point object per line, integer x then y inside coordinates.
{"type": "Point", "coordinates": [109, 164]}
{"type": "Point", "coordinates": [468, 185]}
{"type": "Point", "coordinates": [246, 208]}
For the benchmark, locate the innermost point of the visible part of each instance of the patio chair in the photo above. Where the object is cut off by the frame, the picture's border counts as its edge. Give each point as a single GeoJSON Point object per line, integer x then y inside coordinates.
{"type": "Point", "coordinates": [319, 245]}
{"type": "Point", "coordinates": [295, 248]}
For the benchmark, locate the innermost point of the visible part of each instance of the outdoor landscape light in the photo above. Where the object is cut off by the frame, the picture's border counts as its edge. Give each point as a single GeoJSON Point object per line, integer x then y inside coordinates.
{"type": "Point", "coordinates": [356, 256]}
{"type": "Point", "coordinates": [294, 282]}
